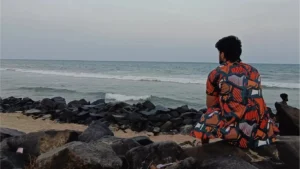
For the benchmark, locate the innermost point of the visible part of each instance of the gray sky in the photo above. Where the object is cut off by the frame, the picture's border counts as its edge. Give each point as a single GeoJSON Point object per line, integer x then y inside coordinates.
{"type": "Point", "coordinates": [155, 30]}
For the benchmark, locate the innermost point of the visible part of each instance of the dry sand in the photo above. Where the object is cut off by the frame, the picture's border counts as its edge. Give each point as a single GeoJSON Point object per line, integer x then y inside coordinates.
{"type": "Point", "coordinates": [27, 124]}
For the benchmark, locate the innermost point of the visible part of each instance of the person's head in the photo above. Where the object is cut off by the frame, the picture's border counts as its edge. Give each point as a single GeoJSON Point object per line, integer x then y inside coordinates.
{"type": "Point", "coordinates": [284, 97]}
{"type": "Point", "coordinates": [230, 49]}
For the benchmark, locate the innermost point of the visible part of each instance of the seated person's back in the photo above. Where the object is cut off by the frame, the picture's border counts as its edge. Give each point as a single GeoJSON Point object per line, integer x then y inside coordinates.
{"type": "Point", "coordinates": [236, 109]}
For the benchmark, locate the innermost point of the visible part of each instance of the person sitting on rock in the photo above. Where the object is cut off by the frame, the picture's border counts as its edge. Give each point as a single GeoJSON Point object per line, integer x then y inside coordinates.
{"type": "Point", "coordinates": [236, 110]}
{"type": "Point", "coordinates": [284, 98]}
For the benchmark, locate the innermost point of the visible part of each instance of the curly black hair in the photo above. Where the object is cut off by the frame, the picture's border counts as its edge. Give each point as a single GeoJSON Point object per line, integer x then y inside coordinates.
{"type": "Point", "coordinates": [232, 48]}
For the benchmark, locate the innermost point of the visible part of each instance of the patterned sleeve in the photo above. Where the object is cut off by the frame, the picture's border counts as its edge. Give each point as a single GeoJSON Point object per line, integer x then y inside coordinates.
{"type": "Point", "coordinates": [212, 87]}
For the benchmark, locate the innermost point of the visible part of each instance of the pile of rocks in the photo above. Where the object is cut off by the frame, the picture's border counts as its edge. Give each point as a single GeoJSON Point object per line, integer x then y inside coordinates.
{"type": "Point", "coordinates": [138, 117]}
{"type": "Point", "coordinates": [98, 148]}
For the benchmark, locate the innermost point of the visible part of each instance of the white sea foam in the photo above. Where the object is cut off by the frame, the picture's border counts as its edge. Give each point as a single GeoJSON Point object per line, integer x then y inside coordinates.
{"type": "Point", "coordinates": [182, 80]}
{"type": "Point", "coordinates": [120, 97]}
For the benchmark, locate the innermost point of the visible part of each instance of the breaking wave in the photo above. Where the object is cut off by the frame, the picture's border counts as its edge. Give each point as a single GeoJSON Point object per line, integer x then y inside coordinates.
{"type": "Point", "coordinates": [183, 80]}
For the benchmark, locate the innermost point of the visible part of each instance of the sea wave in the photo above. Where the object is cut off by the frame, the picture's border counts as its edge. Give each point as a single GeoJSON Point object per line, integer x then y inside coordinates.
{"type": "Point", "coordinates": [122, 98]}
{"type": "Point", "coordinates": [47, 89]}
{"type": "Point", "coordinates": [200, 80]}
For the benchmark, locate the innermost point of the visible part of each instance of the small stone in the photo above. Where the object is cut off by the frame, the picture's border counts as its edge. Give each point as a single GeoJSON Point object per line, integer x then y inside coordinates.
{"type": "Point", "coordinates": [33, 111]}
{"type": "Point", "coordinates": [156, 130]}
{"type": "Point", "coordinates": [47, 116]}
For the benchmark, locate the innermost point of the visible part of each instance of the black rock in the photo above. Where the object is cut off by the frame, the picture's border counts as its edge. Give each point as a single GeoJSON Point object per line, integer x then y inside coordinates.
{"type": "Point", "coordinates": [148, 105]}
{"type": "Point", "coordinates": [288, 118]}
{"type": "Point", "coordinates": [156, 130]}
{"type": "Point", "coordinates": [95, 131]}
{"type": "Point", "coordinates": [228, 162]}
{"type": "Point", "coordinates": [288, 150]}
{"type": "Point", "coordinates": [177, 121]}
{"type": "Point", "coordinates": [77, 103]}
{"type": "Point", "coordinates": [188, 163]}
{"type": "Point", "coordinates": [134, 117]}
{"type": "Point", "coordinates": [166, 127]}
{"type": "Point", "coordinates": [121, 146]}
{"type": "Point", "coordinates": [154, 154]}
{"type": "Point", "coordinates": [188, 115]}
{"type": "Point", "coordinates": [142, 140]}
{"type": "Point", "coordinates": [67, 115]}
{"type": "Point", "coordinates": [203, 110]}
{"type": "Point", "coordinates": [99, 101]}
{"type": "Point", "coordinates": [186, 130]}
{"type": "Point", "coordinates": [139, 126]}
{"type": "Point", "coordinates": [92, 155]}
{"type": "Point", "coordinates": [174, 114]}
{"type": "Point", "coordinates": [98, 114]}
{"type": "Point", "coordinates": [163, 117]}
{"type": "Point", "coordinates": [27, 100]}
{"type": "Point", "coordinates": [83, 113]}
{"type": "Point", "coordinates": [6, 132]}
{"type": "Point", "coordinates": [36, 143]}
{"type": "Point", "coordinates": [158, 124]}
{"type": "Point", "coordinates": [10, 159]}
{"type": "Point", "coordinates": [47, 104]}
{"type": "Point", "coordinates": [60, 103]}
{"type": "Point", "coordinates": [182, 109]}
{"type": "Point", "coordinates": [188, 121]}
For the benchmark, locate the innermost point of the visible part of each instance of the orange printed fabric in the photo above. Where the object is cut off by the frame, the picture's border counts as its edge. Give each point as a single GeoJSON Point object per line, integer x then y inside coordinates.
{"type": "Point", "coordinates": [241, 115]}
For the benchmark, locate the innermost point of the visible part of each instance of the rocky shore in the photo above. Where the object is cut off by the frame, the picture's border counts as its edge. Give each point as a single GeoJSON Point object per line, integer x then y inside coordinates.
{"type": "Point", "coordinates": [98, 147]}
{"type": "Point", "coordinates": [139, 117]}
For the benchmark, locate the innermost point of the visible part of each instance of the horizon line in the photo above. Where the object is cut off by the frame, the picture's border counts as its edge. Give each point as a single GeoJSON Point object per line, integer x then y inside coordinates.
{"type": "Point", "coordinates": [142, 61]}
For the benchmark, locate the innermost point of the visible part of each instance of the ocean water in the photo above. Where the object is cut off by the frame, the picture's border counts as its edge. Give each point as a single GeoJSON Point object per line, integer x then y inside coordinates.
{"type": "Point", "coordinates": [167, 84]}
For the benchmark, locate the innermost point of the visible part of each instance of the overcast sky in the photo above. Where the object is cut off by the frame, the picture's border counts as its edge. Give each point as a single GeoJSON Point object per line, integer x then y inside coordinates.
{"type": "Point", "coordinates": [153, 30]}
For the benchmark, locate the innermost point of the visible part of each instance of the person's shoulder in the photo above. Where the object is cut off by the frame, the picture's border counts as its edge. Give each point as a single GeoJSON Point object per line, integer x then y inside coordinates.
{"type": "Point", "coordinates": [250, 67]}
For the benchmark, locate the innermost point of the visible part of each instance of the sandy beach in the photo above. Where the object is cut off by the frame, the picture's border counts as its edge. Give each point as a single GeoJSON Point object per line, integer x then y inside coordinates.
{"type": "Point", "coordinates": [27, 124]}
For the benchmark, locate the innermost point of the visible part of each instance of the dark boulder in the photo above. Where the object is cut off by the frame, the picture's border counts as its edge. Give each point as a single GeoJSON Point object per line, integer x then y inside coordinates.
{"type": "Point", "coordinates": [288, 118]}
{"type": "Point", "coordinates": [148, 105]}
{"type": "Point", "coordinates": [47, 104]}
{"type": "Point", "coordinates": [77, 155]}
{"type": "Point", "coordinates": [188, 121]}
{"type": "Point", "coordinates": [177, 121]}
{"type": "Point", "coordinates": [60, 103]}
{"type": "Point", "coordinates": [6, 132]}
{"type": "Point", "coordinates": [228, 162]}
{"type": "Point", "coordinates": [95, 131]}
{"type": "Point", "coordinates": [174, 114]}
{"type": "Point", "coordinates": [134, 117]}
{"type": "Point", "coordinates": [167, 126]}
{"type": "Point", "coordinates": [188, 115]}
{"type": "Point", "coordinates": [188, 163]}
{"type": "Point", "coordinates": [77, 103]}
{"type": "Point", "coordinates": [10, 159]}
{"type": "Point", "coordinates": [36, 143]}
{"type": "Point", "coordinates": [99, 101]}
{"type": "Point", "coordinates": [154, 154]}
{"type": "Point", "coordinates": [288, 150]}
{"type": "Point", "coordinates": [142, 140]}
{"type": "Point", "coordinates": [123, 145]}
{"type": "Point", "coordinates": [139, 126]}
{"type": "Point", "coordinates": [182, 109]}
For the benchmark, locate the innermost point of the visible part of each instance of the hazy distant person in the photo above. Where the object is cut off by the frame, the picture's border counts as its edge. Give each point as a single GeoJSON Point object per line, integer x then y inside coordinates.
{"type": "Point", "coordinates": [284, 98]}
{"type": "Point", "coordinates": [236, 110]}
